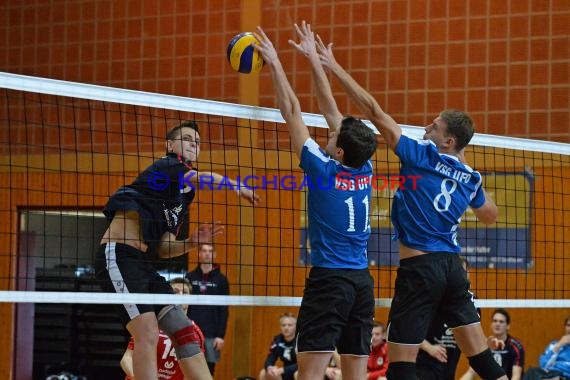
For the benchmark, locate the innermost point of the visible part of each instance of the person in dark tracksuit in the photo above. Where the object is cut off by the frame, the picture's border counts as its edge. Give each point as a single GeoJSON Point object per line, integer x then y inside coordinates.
{"type": "Point", "coordinates": [207, 279]}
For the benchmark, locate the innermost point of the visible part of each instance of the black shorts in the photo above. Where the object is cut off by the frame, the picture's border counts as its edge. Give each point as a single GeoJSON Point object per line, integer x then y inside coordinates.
{"type": "Point", "coordinates": [288, 376]}
{"type": "Point", "coordinates": [121, 268]}
{"type": "Point", "coordinates": [336, 312]}
{"type": "Point", "coordinates": [426, 285]}
{"type": "Point", "coordinates": [428, 373]}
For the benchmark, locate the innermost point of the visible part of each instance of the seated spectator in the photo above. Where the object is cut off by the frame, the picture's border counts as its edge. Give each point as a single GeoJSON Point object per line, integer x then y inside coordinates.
{"type": "Point", "coordinates": [378, 359]}
{"type": "Point", "coordinates": [282, 348]}
{"type": "Point", "coordinates": [333, 371]}
{"type": "Point", "coordinates": [507, 351]}
{"type": "Point", "coordinates": [555, 361]}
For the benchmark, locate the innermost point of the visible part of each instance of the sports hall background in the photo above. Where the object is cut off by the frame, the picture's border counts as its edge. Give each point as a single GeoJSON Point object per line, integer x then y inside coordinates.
{"type": "Point", "coordinates": [504, 61]}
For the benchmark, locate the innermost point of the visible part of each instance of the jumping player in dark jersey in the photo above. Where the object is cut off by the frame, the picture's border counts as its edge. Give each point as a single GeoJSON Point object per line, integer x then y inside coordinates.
{"type": "Point", "coordinates": [338, 302]}
{"type": "Point", "coordinates": [146, 219]}
{"type": "Point", "coordinates": [430, 279]}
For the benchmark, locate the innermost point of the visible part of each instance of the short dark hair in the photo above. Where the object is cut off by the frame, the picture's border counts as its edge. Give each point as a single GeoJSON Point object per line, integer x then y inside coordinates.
{"type": "Point", "coordinates": [460, 126]}
{"type": "Point", "coordinates": [379, 324]}
{"type": "Point", "coordinates": [172, 134]}
{"type": "Point", "coordinates": [505, 313]}
{"type": "Point", "coordinates": [357, 140]}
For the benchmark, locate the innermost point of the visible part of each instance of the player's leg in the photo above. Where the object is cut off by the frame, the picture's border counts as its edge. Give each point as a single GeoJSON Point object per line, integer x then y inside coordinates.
{"type": "Point", "coordinates": [352, 367]}
{"type": "Point", "coordinates": [322, 316]}
{"type": "Point", "coordinates": [144, 330]}
{"type": "Point", "coordinates": [195, 368]}
{"type": "Point", "coordinates": [183, 333]}
{"type": "Point", "coordinates": [402, 361]}
{"type": "Point", "coordinates": [312, 365]}
{"type": "Point", "coordinates": [354, 342]}
{"type": "Point", "coordinates": [460, 314]}
{"type": "Point", "coordinates": [419, 288]}
{"type": "Point", "coordinates": [472, 342]}
{"type": "Point", "coordinates": [121, 270]}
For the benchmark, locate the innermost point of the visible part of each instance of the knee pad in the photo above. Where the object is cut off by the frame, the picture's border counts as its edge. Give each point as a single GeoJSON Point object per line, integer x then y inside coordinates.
{"type": "Point", "coordinates": [486, 366]}
{"type": "Point", "coordinates": [181, 331]}
{"type": "Point", "coordinates": [401, 371]}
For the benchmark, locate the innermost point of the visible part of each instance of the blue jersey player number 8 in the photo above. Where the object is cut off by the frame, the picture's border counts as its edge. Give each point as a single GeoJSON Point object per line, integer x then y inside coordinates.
{"type": "Point", "coordinates": [436, 205]}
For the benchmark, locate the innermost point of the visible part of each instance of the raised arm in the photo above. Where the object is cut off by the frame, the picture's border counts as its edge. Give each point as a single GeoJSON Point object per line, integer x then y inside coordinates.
{"type": "Point", "coordinates": [205, 179]}
{"type": "Point", "coordinates": [286, 99]}
{"type": "Point", "coordinates": [360, 97]}
{"type": "Point", "coordinates": [325, 99]}
{"type": "Point", "coordinates": [488, 213]}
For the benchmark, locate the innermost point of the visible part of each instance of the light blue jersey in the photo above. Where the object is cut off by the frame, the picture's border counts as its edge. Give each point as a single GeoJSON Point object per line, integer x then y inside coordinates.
{"type": "Point", "coordinates": [338, 209]}
{"type": "Point", "coordinates": [427, 217]}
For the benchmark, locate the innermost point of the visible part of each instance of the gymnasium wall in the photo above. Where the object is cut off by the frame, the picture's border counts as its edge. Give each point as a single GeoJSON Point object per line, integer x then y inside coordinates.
{"type": "Point", "coordinates": [506, 62]}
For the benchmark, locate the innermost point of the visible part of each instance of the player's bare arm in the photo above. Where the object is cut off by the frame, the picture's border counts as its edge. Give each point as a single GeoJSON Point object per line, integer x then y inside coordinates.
{"type": "Point", "coordinates": [488, 213]}
{"type": "Point", "coordinates": [365, 102]}
{"type": "Point", "coordinates": [517, 372]}
{"type": "Point", "coordinates": [286, 99]}
{"type": "Point", "coordinates": [436, 351]}
{"type": "Point", "coordinates": [325, 99]}
{"type": "Point", "coordinates": [217, 179]}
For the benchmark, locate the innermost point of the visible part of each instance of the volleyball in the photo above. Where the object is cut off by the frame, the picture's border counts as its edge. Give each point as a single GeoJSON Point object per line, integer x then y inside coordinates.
{"type": "Point", "coordinates": [242, 56]}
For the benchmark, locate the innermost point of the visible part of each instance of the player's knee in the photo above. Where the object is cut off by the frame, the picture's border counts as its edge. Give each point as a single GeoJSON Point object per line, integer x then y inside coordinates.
{"type": "Point", "coordinates": [401, 371]}
{"type": "Point", "coordinates": [485, 366]}
{"type": "Point", "coordinates": [174, 322]}
{"type": "Point", "coordinates": [144, 330]}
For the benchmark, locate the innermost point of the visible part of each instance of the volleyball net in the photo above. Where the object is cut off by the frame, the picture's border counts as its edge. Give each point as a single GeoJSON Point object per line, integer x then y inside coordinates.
{"type": "Point", "coordinates": [66, 147]}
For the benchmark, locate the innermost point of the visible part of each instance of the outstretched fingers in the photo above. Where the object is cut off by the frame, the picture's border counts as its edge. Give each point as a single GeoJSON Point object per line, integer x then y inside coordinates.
{"type": "Point", "coordinates": [250, 196]}
{"type": "Point", "coordinates": [306, 36]}
{"type": "Point", "coordinates": [206, 232]}
{"type": "Point", "coordinates": [326, 55]}
{"type": "Point", "coordinates": [264, 46]}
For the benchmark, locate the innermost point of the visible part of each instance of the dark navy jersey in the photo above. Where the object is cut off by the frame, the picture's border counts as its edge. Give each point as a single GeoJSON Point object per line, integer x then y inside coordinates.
{"type": "Point", "coordinates": [511, 355]}
{"type": "Point", "coordinates": [212, 319]}
{"type": "Point", "coordinates": [440, 334]}
{"type": "Point", "coordinates": [427, 217]}
{"type": "Point", "coordinates": [338, 209]}
{"type": "Point", "coordinates": [160, 198]}
{"type": "Point", "coordinates": [282, 350]}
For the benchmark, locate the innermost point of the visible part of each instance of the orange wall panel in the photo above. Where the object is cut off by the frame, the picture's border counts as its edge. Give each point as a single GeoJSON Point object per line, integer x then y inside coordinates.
{"type": "Point", "coordinates": [505, 62]}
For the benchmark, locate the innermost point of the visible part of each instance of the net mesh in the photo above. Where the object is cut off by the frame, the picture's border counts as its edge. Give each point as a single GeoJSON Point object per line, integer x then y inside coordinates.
{"type": "Point", "coordinates": [67, 146]}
